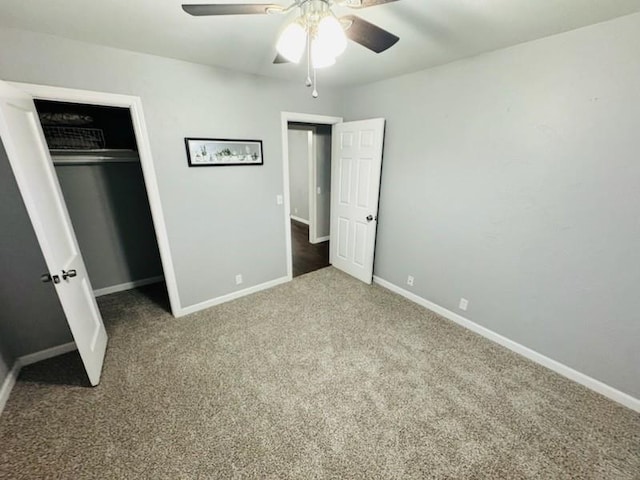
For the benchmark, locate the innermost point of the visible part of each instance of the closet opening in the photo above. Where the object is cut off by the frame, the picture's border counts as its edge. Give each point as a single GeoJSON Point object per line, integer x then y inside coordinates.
{"type": "Point", "coordinates": [309, 153]}
{"type": "Point", "coordinates": [95, 156]}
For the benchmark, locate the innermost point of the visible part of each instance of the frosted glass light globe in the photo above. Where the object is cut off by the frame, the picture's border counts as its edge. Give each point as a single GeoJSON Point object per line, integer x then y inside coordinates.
{"type": "Point", "coordinates": [292, 42]}
{"type": "Point", "coordinates": [331, 36]}
{"type": "Point", "coordinates": [320, 56]}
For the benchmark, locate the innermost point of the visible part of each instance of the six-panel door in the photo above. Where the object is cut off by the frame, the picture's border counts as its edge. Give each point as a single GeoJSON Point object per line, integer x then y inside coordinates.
{"type": "Point", "coordinates": [356, 168]}
{"type": "Point", "coordinates": [28, 154]}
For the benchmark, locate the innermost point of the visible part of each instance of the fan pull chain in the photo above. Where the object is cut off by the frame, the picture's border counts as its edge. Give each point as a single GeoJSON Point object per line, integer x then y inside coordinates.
{"type": "Point", "coordinates": [315, 84]}
{"type": "Point", "coordinates": [308, 81]}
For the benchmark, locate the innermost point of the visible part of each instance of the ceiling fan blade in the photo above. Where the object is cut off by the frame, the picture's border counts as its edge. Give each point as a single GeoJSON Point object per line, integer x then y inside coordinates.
{"type": "Point", "coordinates": [199, 10]}
{"type": "Point", "coordinates": [368, 35]}
{"type": "Point", "coordinates": [280, 60]}
{"type": "Point", "coordinates": [365, 3]}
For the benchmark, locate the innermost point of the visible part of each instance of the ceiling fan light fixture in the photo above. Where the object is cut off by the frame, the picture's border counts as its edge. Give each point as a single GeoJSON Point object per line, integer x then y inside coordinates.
{"type": "Point", "coordinates": [331, 37]}
{"type": "Point", "coordinates": [316, 30]}
{"type": "Point", "coordinates": [292, 41]}
{"type": "Point", "coordinates": [320, 56]}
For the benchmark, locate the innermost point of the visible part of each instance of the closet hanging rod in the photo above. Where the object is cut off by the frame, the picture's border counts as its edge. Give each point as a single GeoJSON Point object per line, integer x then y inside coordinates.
{"type": "Point", "coordinates": [91, 160]}
{"type": "Point", "coordinates": [94, 157]}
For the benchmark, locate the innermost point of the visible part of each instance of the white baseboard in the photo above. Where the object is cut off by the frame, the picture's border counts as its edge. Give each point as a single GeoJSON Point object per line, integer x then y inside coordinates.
{"type": "Point", "coordinates": [298, 219]}
{"type": "Point", "coordinates": [127, 286]}
{"type": "Point", "coordinates": [231, 296]}
{"type": "Point", "coordinates": [46, 354]}
{"type": "Point", "coordinates": [321, 239]}
{"type": "Point", "coordinates": [568, 372]}
{"type": "Point", "coordinates": [8, 385]}
{"type": "Point", "coordinates": [25, 360]}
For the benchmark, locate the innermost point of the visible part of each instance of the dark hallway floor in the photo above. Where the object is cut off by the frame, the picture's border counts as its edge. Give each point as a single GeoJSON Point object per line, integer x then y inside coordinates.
{"type": "Point", "coordinates": [307, 257]}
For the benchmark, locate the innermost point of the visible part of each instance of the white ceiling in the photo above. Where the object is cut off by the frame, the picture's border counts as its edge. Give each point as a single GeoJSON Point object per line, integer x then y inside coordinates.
{"type": "Point", "coordinates": [432, 32]}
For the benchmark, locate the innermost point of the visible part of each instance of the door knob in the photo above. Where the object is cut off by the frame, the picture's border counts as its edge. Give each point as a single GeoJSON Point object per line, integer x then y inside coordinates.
{"type": "Point", "coordinates": [69, 274]}
{"type": "Point", "coordinates": [46, 278]}
{"type": "Point", "coordinates": [369, 218]}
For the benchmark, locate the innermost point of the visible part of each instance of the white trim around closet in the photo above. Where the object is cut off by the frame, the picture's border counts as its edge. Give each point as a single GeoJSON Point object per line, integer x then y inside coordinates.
{"type": "Point", "coordinates": [134, 104]}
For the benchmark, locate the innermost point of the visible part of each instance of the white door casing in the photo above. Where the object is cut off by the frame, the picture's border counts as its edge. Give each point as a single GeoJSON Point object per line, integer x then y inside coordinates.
{"type": "Point", "coordinates": [30, 161]}
{"type": "Point", "coordinates": [285, 118]}
{"type": "Point", "coordinates": [355, 189]}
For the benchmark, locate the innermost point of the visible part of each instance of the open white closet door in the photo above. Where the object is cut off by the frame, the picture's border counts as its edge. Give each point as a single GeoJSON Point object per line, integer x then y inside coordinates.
{"type": "Point", "coordinates": [355, 189]}
{"type": "Point", "coordinates": [26, 148]}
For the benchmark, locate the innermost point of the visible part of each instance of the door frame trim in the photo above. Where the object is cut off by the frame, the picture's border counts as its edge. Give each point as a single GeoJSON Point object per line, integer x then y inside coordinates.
{"type": "Point", "coordinates": [287, 117]}
{"type": "Point", "coordinates": [311, 181]}
{"type": "Point", "coordinates": [134, 104]}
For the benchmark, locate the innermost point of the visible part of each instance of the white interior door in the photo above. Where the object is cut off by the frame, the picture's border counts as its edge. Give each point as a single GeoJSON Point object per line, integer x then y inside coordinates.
{"type": "Point", "coordinates": [355, 189]}
{"type": "Point", "coordinates": [26, 148]}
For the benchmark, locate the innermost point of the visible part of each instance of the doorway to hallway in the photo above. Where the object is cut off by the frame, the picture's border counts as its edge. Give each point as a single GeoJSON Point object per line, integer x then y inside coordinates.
{"type": "Point", "coordinates": [309, 149]}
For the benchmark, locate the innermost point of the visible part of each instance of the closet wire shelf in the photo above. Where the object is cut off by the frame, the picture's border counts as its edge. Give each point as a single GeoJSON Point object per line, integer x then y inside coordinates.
{"type": "Point", "coordinates": [74, 138]}
{"type": "Point", "coordinates": [83, 146]}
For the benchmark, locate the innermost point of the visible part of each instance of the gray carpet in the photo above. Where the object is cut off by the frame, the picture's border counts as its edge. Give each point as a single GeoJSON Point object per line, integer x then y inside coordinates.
{"type": "Point", "coordinates": [323, 377]}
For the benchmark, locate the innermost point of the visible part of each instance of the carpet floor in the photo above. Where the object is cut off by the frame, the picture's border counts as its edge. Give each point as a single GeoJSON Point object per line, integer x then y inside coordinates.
{"type": "Point", "coordinates": [323, 377]}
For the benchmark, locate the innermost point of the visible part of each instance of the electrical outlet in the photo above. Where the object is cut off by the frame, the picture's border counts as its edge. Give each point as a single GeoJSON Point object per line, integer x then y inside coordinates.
{"type": "Point", "coordinates": [238, 279]}
{"type": "Point", "coordinates": [295, 210]}
{"type": "Point", "coordinates": [279, 200]}
{"type": "Point", "coordinates": [319, 191]}
{"type": "Point", "coordinates": [410, 281]}
{"type": "Point", "coordinates": [464, 303]}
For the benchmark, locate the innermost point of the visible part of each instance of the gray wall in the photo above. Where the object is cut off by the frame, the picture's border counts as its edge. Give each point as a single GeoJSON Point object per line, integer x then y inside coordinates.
{"type": "Point", "coordinates": [110, 213]}
{"type": "Point", "coordinates": [513, 179]}
{"type": "Point", "coordinates": [215, 215]}
{"type": "Point", "coordinates": [322, 138]}
{"type": "Point", "coordinates": [6, 362]}
{"type": "Point", "coordinates": [31, 317]}
{"type": "Point", "coordinates": [299, 171]}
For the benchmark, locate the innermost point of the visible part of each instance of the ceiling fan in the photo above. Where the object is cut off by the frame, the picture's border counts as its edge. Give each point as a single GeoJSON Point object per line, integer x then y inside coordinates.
{"type": "Point", "coordinates": [316, 30]}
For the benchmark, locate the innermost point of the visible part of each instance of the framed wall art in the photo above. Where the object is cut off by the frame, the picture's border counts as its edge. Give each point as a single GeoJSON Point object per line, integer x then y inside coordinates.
{"type": "Point", "coordinates": [216, 152]}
